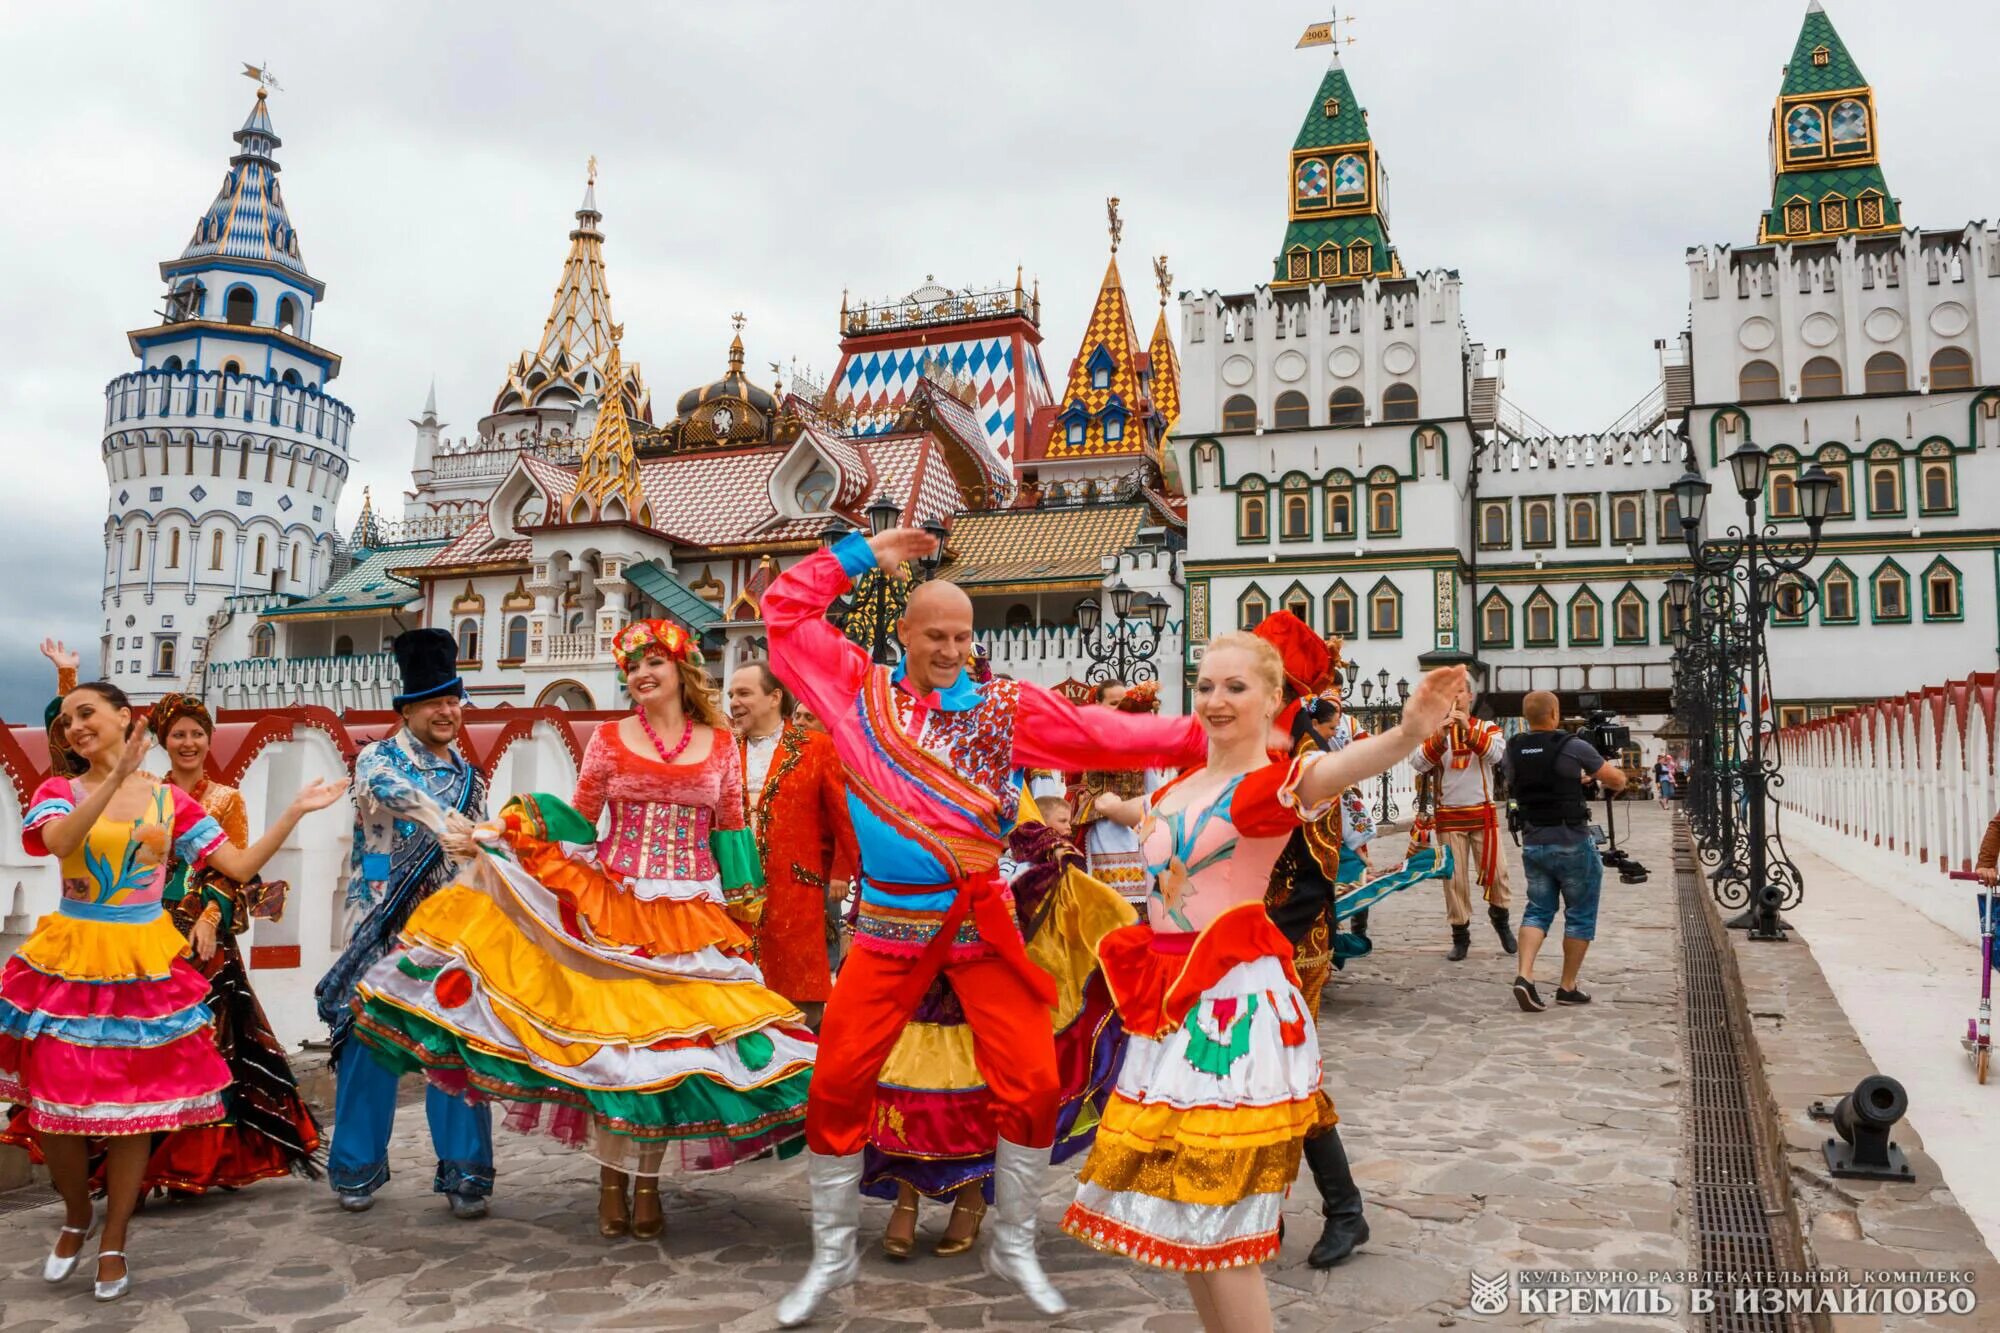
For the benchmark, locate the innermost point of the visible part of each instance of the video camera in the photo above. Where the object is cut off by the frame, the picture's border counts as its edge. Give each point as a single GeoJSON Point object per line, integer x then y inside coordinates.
{"type": "Point", "coordinates": [1609, 738]}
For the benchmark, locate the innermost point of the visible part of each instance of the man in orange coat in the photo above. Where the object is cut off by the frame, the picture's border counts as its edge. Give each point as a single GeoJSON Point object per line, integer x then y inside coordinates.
{"type": "Point", "coordinates": [798, 812]}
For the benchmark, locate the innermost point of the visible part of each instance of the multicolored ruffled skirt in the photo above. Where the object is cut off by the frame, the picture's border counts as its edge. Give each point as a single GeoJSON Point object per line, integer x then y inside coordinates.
{"type": "Point", "coordinates": [624, 1018]}
{"type": "Point", "coordinates": [1202, 1137]}
{"type": "Point", "coordinates": [105, 1029]}
{"type": "Point", "coordinates": [934, 1128]}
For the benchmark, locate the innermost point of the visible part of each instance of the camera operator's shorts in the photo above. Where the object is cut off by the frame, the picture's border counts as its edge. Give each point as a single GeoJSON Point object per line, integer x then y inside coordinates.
{"type": "Point", "coordinates": [1570, 875]}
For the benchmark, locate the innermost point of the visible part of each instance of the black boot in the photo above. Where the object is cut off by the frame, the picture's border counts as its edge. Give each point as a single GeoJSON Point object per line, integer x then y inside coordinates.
{"type": "Point", "coordinates": [1358, 923]}
{"type": "Point", "coordinates": [1498, 916]}
{"type": "Point", "coordinates": [1461, 943]}
{"type": "Point", "coordinates": [1345, 1227]}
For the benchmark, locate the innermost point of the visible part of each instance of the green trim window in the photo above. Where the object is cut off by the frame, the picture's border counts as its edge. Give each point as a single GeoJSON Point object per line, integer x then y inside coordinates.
{"type": "Point", "coordinates": [1757, 382]}
{"type": "Point", "coordinates": [1942, 589]}
{"type": "Point", "coordinates": [1495, 521]}
{"type": "Point", "coordinates": [1670, 516]}
{"type": "Point", "coordinates": [1253, 511]}
{"type": "Point", "coordinates": [1252, 607]}
{"type": "Point", "coordinates": [1496, 621]}
{"type": "Point", "coordinates": [1385, 503]}
{"type": "Point", "coordinates": [1789, 601]}
{"type": "Point", "coordinates": [1781, 486]}
{"type": "Point", "coordinates": [1346, 408]}
{"type": "Point", "coordinates": [1586, 619]}
{"type": "Point", "coordinates": [1837, 602]}
{"type": "Point", "coordinates": [1291, 411]}
{"type": "Point", "coordinates": [1583, 531]}
{"type": "Point", "coordinates": [1628, 519]}
{"type": "Point", "coordinates": [1890, 590]}
{"type": "Point", "coordinates": [1838, 464]}
{"type": "Point", "coordinates": [1295, 509]}
{"type": "Point", "coordinates": [1937, 480]}
{"type": "Point", "coordinates": [1629, 615]}
{"type": "Point", "coordinates": [1951, 368]}
{"type": "Point", "coordinates": [1538, 522]}
{"type": "Point", "coordinates": [1339, 504]}
{"type": "Point", "coordinates": [1298, 601]}
{"type": "Point", "coordinates": [1342, 610]}
{"type": "Point", "coordinates": [1385, 611]}
{"type": "Point", "coordinates": [1885, 481]}
{"type": "Point", "coordinates": [1240, 413]}
{"type": "Point", "coordinates": [1671, 617]}
{"type": "Point", "coordinates": [1539, 620]}
{"type": "Point", "coordinates": [1886, 373]}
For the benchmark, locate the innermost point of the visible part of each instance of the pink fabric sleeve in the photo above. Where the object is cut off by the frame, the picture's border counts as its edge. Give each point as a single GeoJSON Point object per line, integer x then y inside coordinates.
{"type": "Point", "coordinates": [196, 832]}
{"type": "Point", "coordinates": [52, 800]}
{"type": "Point", "coordinates": [816, 662]}
{"type": "Point", "coordinates": [593, 775]}
{"type": "Point", "coordinates": [1052, 732]}
{"type": "Point", "coordinates": [729, 808]}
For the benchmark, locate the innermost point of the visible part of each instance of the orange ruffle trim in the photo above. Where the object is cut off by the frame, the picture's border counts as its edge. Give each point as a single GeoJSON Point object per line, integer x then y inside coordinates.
{"type": "Point", "coordinates": [614, 915]}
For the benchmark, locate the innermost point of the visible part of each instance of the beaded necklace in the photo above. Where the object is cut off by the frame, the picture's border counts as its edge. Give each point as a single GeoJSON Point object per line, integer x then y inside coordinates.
{"type": "Point", "coordinates": [666, 756]}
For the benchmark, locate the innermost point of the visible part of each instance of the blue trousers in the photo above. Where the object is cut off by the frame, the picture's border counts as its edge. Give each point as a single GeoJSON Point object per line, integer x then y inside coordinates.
{"type": "Point", "coordinates": [364, 1113]}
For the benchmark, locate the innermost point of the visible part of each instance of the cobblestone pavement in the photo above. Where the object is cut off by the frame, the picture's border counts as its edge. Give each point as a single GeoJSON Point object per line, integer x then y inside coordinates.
{"type": "Point", "coordinates": [1484, 1138]}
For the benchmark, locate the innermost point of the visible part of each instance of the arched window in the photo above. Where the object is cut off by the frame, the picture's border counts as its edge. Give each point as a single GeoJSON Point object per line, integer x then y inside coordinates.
{"type": "Point", "coordinates": [263, 641]}
{"type": "Point", "coordinates": [1849, 123]}
{"type": "Point", "coordinates": [215, 549]}
{"type": "Point", "coordinates": [1339, 504]}
{"type": "Point", "coordinates": [1951, 368]}
{"type": "Point", "coordinates": [1541, 621]}
{"type": "Point", "coordinates": [1253, 516]}
{"type": "Point", "coordinates": [1628, 617]}
{"type": "Point", "coordinates": [1493, 517]}
{"type": "Point", "coordinates": [1340, 612]}
{"type": "Point", "coordinates": [1385, 611]}
{"type": "Point", "coordinates": [1835, 462]}
{"type": "Point", "coordinates": [1820, 378]}
{"type": "Point", "coordinates": [163, 656]}
{"type": "Point", "coordinates": [1782, 484]}
{"type": "Point", "coordinates": [343, 646]}
{"type": "Point", "coordinates": [258, 566]}
{"type": "Point", "coordinates": [1240, 413]}
{"type": "Point", "coordinates": [232, 367]}
{"type": "Point", "coordinates": [1586, 619]}
{"type": "Point", "coordinates": [1345, 408]}
{"type": "Point", "coordinates": [1583, 521]}
{"type": "Point", "coordinates": [1670, 516]}
{"type": "Point", "coordinates": [138, 547]}
{"type": "Point", "coordinates": [1291, 410]}
{"type": "Point", "coordinates": [1399, 402]}
{"type": "Point", "coordinates": [1892, 594]}
{"type": "Point", "coordinates": [1496, 622]}
{"type": "Point", "coordinates": [1350, 178]}
{"type": "Point", "coordinates": [291, 377]}
{"type": "Point", "coordinates": [517, 638]}
{"type": "Point", "coordinates": [1628, 519]}
{"type": "Point", "coordinates": [1836, 597]}
{"type": "Point", "coordinates": [171, 363]}
{"type": "Point", "coordinates": [1885, 487]}
{"type": "Point", "coordinates": [1385, 503]}
{"type": "Point", "coordinates": [1887, 374]}
{"type": "Point", "coordinates": [1251, 608]}
{"type": "Point", "coordinates": [1295, 512]}
{"type": "Point", "coordinates": [1757, 382]}
{"type": "Point", "coordinates": [1788, 600]}
{"type": "Point", "coordinates": [1538, 522]}
{"type": "Point", "coordinates": [1936, 494]}
{"type": "Point", "coordinates": [295, 561]}
{"type": "Point", "coordinates": [468, 640]}
{"type": "Point", "coordinates": [174, 548]}
{"type": "Point", "coordinates": [1020, 616]}
{"type": "Point", "coordinates": [288, 314]}
{"type": "Point", "coordinates": [241, 306]}
{"type": "Point", "coordinates": [1805, 132]}
{"type": "Point", "coordinates": [1941, 592]}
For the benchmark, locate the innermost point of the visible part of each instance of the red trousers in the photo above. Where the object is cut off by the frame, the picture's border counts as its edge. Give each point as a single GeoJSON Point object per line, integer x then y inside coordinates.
{"type": "Point", "coordinates": [1013, 1043]}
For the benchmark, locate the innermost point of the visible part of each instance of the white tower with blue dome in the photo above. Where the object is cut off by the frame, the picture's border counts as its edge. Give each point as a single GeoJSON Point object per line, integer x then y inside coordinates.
{"type": "Point", "coordinates": [225, 453]}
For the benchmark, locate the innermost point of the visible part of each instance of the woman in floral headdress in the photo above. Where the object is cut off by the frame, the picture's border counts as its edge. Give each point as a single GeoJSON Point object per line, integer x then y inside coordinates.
{"type": "Point", "coordinates": [609, 992]}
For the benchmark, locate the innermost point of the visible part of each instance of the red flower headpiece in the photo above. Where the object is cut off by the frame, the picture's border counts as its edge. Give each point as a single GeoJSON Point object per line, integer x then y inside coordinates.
{"type": "Point", "coordinates": [643, 637]}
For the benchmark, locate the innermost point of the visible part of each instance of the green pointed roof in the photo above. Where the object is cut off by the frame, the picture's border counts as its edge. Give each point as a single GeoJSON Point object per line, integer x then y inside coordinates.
{"type": "Point", "coordinates": [1350, 126]}
{"type": "Point", "coordinates": [1802, 76]}
{"type": "Point", "coordinates": [1347, 127]}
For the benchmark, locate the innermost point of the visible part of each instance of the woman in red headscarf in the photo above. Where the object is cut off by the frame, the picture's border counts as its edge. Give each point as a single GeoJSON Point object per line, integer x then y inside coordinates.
{"type": "Point", "coordinates": [609, 992]}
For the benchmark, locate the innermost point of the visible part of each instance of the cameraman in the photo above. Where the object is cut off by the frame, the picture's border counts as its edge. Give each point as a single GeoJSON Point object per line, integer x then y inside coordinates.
{"type": "Point", "coordinates": [1546, 769]}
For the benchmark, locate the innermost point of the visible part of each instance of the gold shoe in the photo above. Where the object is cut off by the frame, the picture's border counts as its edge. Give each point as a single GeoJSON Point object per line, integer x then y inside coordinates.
{"type": "Point", "coordinates": [948, 1244]}
{"type": "Point", "coordinates": [612, 1222]}
{"type": "Point", "coordinates": [647, 1221]}
{"type": "Point", "coordinates": [899, 1247]}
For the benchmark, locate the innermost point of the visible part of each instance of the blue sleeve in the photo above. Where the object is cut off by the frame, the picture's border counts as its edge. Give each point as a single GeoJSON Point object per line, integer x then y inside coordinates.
{"type": "Point", "coordinates": [856, 556]}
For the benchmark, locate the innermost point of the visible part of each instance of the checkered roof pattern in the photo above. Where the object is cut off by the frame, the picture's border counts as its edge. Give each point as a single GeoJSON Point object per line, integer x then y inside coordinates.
{"type": "Point", "coordinates": [1839, 71]}
{"type": "Point", "coordinates": [1111, 328]}
{"type": "Point", "coordinates": [1056, 544]}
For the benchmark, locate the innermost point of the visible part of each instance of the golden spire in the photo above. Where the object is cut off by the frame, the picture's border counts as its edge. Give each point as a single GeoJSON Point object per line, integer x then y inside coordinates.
{"type": "Point", "coordinates": [736, 322]}
{"type": "Point", "coordinates": [610, 468]}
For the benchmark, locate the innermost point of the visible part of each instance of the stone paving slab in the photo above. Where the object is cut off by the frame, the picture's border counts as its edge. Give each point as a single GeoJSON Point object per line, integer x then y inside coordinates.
{"type": "Point", "coordinates": [1484, 1138]}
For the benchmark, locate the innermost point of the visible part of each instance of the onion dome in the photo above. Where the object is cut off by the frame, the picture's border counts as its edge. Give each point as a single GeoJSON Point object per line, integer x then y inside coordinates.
{"type": "Point", "coordinates": [731, 410]}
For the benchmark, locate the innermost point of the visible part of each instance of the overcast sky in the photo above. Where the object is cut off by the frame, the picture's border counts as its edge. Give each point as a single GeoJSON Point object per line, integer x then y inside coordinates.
{"type": "Point", "coordinates": [762, 157]}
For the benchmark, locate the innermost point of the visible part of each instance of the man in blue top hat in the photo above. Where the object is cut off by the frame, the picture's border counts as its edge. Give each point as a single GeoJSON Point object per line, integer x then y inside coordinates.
{"type": "Point", "coordinates": [407, 789]}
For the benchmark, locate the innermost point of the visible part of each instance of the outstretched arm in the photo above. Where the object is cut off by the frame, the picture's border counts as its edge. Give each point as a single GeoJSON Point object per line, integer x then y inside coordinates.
{"type": "Point", "coordinates": [243, 862]}
{"type": "Point", "coordinates": [1429, 705]}
{"type": "Point", "coordinates": [816, 662]}
{"type": "Point", "coordinates": [1052, 732]}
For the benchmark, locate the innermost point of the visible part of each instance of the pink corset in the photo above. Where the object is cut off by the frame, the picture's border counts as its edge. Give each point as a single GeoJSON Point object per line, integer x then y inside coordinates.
{"type": "Point", "coordinates": [656, 840]}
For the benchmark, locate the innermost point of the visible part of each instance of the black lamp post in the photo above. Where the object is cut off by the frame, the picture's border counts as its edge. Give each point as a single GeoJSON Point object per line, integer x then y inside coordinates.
{"type": "Point", "coordinates": [1380, 710]}
{"type": "Point", "coordinates": [1722, 678]}
{"type": "Point", "coordinates": [1121, 647]}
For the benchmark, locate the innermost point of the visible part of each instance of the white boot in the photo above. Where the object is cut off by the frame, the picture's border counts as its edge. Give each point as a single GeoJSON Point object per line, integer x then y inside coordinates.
{"type": "Point", "coordinates": [836, 1227]}
{"type": "Point", "coordinates": [1010, 1236]}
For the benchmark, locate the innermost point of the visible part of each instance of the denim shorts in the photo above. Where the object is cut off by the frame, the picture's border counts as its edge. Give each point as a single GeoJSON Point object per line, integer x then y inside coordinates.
{"type": "Point", "coordinates": [1572, 874]}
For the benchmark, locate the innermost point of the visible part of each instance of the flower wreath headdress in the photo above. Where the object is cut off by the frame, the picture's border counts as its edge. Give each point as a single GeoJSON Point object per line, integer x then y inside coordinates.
{"type": "Point", "coordinates": [632, 644]}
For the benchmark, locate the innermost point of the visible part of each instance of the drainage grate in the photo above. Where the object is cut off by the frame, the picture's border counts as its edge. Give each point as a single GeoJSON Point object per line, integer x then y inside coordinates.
{"type": "Point", "coordinates": [1733, 1210]}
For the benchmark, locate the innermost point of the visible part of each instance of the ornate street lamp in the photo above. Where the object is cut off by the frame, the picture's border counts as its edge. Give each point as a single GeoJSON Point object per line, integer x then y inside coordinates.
{"type": "Point", "coordinates": [1121, 645]}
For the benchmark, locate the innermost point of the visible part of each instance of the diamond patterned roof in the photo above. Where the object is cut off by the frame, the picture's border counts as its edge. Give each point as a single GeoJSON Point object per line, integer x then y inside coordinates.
{"type": "Point", "coordinates": [1163, 364]}
{"type": "Point", "coordinates": [248, 218]}
{"type": "Point", "coordinates": [1348, 125]}
{"type": "Point", "coordinates": [367, 587]}
{"type": "Point", "coordinates": [1323, 131]}
{"type": "Point", "coordinates": [1110, 335]}
{"type": "Point", "coordinates": [1839, 71]}
{"type": "Point", "coordinates": [1829, 174]}
{"type": "Point", "coordinates": [1056, 544]}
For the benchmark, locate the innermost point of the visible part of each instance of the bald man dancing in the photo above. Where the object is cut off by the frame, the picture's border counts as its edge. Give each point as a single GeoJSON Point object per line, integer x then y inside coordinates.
{"type": "Point", "coordinates": [933, 765]}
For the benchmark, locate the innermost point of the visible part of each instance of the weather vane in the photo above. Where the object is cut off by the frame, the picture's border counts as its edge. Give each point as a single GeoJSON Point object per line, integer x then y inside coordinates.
{"type": "Point", "coordinates": [265, 79]}
{"type": "Point", "coordinates": [1323, 34]}
{"type": "Point", "coordinates": [1163, 278]}
{"type": "Point", "coordinates": [736, 321]}
{"type": "Point", "coordinates": [590, 168]}
{"type": "Point", "coordinates": [1117, 223]}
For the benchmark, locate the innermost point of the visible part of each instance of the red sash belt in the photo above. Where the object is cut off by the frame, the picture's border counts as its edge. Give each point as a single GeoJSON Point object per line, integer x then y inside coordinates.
{"type": "Point", "coordinates": [985, 898]}
{"type": "Point", "coordinates": [1483, 820]}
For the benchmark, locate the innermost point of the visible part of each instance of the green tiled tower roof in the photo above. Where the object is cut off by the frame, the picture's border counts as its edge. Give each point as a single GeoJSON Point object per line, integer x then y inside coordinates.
{"type": "Point", "coordinates": [1335, 120]}
{"type": "Point", "coordinates": [1827, 174]}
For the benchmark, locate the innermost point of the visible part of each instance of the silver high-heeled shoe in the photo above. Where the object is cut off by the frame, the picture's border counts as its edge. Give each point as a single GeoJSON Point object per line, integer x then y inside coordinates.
{"type": "Point", "coordinates": [118, 1286]}
{"type": "Point", "coordinates": [56, 1268]}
